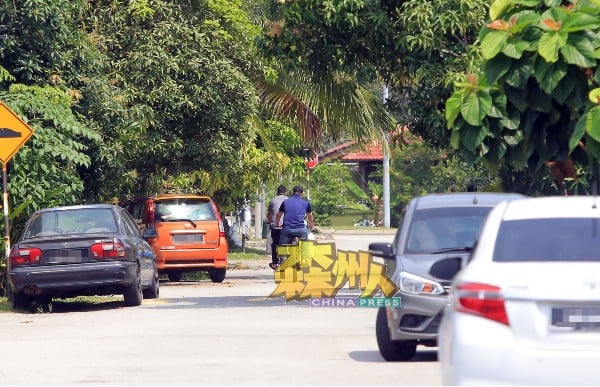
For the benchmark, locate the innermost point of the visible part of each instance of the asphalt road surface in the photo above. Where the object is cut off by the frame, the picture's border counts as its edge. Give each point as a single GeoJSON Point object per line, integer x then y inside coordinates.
{"type": "Point", "coordinates": [200, 333]}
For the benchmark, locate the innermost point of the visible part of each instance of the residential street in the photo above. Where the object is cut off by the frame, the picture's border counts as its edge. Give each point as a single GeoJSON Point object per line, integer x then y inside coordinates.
{"type": "Point", "coordinates": [201, 333]}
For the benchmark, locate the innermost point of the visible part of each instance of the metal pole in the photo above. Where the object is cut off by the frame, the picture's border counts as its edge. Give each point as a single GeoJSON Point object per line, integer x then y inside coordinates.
{"type": "Point", "coordinates": [6, 224]}
{"type": "Point", "coordinates": [386, 173]}
{"type": "Point", "coordinates": [6, 231]}
{"type": "Point", "coordinates": [307, 183]}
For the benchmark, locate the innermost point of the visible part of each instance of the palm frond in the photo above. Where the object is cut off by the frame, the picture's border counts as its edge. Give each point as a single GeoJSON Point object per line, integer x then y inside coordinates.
{"type": "Point", "coordinates": [329, 104]}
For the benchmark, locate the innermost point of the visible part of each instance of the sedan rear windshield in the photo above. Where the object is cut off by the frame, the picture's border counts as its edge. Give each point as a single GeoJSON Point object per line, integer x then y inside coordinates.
{"type": "Point", "coordinates": [564, 239]}
{"type": "Point", "coordinates": [439, 229]}
{"type": "Point", "coordinates": [171, 210]}
{"type": "Point", "coordinates": [75, 221]}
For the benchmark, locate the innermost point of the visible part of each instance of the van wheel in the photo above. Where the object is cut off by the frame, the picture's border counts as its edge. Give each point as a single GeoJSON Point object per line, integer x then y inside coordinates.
{"type": "Point", "coordinates": [217, 275]}
{"type": "Point", "coordinates": [389, 349]}
{"type": "Point", "coordinates": [175, 276]}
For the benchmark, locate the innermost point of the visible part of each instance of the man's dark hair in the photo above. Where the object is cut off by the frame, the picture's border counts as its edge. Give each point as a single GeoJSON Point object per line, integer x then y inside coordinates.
{"type": "Point", "coordinates": [281, 190]}
{"type": "Point", "coordinates": [298, 189]}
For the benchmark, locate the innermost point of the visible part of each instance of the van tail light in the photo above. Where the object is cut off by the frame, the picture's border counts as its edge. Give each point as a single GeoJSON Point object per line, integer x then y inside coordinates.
{"type": "Point", "coordinates": [25, 256]}
{"type": "Point", "coordinates": [481, 300]}
{"type": "Point", "coordinates": [108, 250]}
{"type": "Point", "coordinates": [150, 210]}
{"type": "Point", "coordinates": [221, 229]}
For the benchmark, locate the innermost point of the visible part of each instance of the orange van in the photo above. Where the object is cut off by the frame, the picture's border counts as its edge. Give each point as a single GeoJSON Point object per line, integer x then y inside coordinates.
{"type": "Point", "coordinates": [191, 235]}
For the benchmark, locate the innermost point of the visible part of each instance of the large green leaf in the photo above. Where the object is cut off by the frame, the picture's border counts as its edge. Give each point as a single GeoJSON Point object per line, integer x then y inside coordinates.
{"type": "Point", "coordinates": [475, 106]}
{"type": "Point", "coordinates": [527, 3]}
{"type": "Point", "coordinates": [453, 106]}
{"type": "Point", "coordinates": [514, 47]}
{"type": "Point", "coordinates": [472, 136]}
{"type": "Point", "coordinates": [577, 134]}
{"type": "Point", "coordinates": [579, 51]}
{"type": "Point", "coordinates": [579, 21]}
{"type": "Point", "coordinates": [498, 7]}
{"type": "Point", "coordinates": [592, 123]}
{"type": "Point", "coordinates": [550, 43]}
{"type": "Point", "coordinates": [520, 73]}
{"type": "Point", "coordinates": [593, 148]}
{"type": "Point", "coordinates": [512, 120]}
{"type": "Point", "coordinates": [553, 76]}
{"type": "Point", "coordinates": [498, 108]}
{"type": "Point", "coordinates": [524, 19]}
{"type": "Point", "coordinates": [541, 68]}
{"type": "Point", "coordinates": [594, 96]}
{"type": "Point", "coordinates": [455, 139]}
{"type": "Point", "coordinates": [493, 42]}
{"type": "Point", "coordinates": [565, 87]}
{"type": "Point", "coordinates": [497, 67]}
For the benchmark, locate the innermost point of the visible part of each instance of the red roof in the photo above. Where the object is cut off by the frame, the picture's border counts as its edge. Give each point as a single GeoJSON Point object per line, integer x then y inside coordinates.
{"type": "Point", "coordinates": [372, 152]}
{"type": "Point", "coordinates": [349, 151]}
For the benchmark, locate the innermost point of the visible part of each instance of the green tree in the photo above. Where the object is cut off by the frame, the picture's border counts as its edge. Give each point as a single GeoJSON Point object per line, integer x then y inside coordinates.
{"type": "Point", "coordinates": [330, 191]}
{"type": "Point", "coordinates": [416, 47]}
{"type": "Point", "coordinates": [534, 100]}
{"type": "Point", "coordinates": [180, 72]}
{"type": "Point", "coordinates": [45, 171]}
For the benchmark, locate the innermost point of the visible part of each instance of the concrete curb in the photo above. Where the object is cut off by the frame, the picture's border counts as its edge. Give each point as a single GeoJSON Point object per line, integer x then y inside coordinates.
{"type": "Point", "coordinates": [362, 231]}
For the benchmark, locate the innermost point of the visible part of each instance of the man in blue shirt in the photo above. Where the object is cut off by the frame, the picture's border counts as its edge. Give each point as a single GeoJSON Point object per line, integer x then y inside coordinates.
{"type": "Point", "coordinates": [294, 210]}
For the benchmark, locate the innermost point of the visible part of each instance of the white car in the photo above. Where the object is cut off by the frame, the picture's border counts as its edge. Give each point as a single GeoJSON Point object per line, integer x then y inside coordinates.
{"type": "Point", "coordinates": [526, 309]}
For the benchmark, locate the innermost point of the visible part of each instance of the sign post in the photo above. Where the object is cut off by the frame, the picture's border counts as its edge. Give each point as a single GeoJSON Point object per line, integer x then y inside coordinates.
{"type": "Point", "coordinates": [14, 132]}
{"type": "Point", "coordinates": [310, 164]}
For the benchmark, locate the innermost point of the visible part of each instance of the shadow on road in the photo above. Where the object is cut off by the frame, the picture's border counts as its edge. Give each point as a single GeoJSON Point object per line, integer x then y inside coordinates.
{"type": "Point", "coordinates": [423, 355]}
{"type": "Point", "coordinates": [85, 306]}
{"type": "Point", "coordinates": [220, 302]}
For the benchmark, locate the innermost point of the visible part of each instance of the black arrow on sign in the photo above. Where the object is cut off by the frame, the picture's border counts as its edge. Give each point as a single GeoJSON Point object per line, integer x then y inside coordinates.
{"type": "Point", "coordinates": [8, 133]}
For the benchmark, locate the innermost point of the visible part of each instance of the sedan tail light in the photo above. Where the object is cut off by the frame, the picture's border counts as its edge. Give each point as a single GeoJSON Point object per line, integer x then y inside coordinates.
{"type": "Point", "coordinates": [481, 300]}
{"type": "Point", "coordinates": [109, 250]}
{"type": "Point", "coordinates": [25, 256]}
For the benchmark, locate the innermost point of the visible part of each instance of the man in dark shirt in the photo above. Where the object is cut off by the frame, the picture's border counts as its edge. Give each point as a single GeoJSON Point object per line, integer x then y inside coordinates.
{"type": "Point", "coordinates": [294, 210]}
{"type": "Point", "coordinates": [272, 211]}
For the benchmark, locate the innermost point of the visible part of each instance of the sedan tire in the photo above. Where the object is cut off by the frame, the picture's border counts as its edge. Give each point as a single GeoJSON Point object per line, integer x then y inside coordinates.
{"type": "Point", "coordinates": [132, 295]}
{"type": "Point", "coordinates": [20, 301]}
{"type": "Point", "coordinates": [392, 350]}
{"type": "Point", "coordinates": [153, 291]}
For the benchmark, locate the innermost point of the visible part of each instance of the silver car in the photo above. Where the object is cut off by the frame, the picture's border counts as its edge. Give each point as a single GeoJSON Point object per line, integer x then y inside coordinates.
{"type": "Point", "coordinates": [432, 244]}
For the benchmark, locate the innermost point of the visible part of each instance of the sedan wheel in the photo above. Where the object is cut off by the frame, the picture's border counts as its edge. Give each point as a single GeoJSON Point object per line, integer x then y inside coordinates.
{"type": "Point", "coordinates": [20, 301]}
{"type": "Point", "coordinates": [153, 291]}
{"type": "Point", "coordinates": [392, 350]}
{"type": "Point", "coordinates": [132, 295]}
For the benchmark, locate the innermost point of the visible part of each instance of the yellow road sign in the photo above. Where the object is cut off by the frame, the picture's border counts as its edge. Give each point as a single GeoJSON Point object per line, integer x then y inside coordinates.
{"type": "Point", "coordinates": [13, 133]}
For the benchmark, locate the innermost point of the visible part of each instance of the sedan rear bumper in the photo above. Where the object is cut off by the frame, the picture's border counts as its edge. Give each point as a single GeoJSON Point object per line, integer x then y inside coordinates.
{"type": "Point", "coordinates": [476, 351]}
{"type": "Point", "coordinates": [57, 279]}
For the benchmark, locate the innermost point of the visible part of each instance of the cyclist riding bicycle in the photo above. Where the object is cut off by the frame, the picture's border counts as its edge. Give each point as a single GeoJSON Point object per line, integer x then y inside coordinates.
{"type": "Point", "coordinates": [294, 210]}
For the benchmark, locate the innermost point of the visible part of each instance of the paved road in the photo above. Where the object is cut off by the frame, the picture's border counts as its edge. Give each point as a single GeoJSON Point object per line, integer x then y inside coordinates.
{"type": "Point", "coordinates": [200, 333]}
